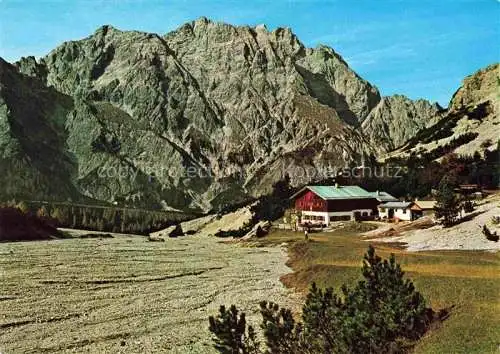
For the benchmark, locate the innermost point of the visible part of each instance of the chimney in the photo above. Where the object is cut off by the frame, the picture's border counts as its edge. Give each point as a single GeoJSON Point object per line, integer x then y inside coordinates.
{"type": "Point", "coordinates": [336, 185]}
{"type": "Point", "coordinates": [378, 192]}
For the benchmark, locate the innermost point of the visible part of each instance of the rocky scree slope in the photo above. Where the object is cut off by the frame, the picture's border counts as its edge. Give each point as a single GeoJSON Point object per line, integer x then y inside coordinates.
{"type": "Point", "coordinates": [202, 117]}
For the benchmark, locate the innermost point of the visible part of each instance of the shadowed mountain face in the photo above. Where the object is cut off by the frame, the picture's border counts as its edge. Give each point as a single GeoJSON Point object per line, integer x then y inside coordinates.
{"type": "Point", "coordinates": [34, 158]}
{"type": "Point", "coordinates": [205, 116]}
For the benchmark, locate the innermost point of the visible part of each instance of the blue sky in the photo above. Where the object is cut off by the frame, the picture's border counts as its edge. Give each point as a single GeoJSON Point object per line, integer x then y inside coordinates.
{"type": "Point", "coordinates": [419, 48]}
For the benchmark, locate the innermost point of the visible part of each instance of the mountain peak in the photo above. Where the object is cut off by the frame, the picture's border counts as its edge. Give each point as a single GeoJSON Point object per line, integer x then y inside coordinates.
{"type": "Point", "coordinates": [261, 27]}
{"type": "Point", "coordinates": [105, 29]}
{"type": "Point", "coordinates": [239, 105]}
{"type": "Point", "coordinates": [202, 20]}
{"type": "Point", "coordinates": [483, 85]}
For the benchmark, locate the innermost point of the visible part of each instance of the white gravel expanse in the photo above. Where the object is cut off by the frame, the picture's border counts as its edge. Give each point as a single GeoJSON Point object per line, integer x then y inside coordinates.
{"type": "Point", "coordinates": [128, 295]}
{"type": "Point", "coordinates": [466, 235]}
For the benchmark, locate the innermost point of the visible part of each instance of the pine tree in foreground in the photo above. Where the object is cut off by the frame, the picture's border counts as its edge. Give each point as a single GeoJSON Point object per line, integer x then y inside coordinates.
{"type": "Point", "coordinates": [383, 313]}
{"type": "Point", "coordinates": [231, 333]}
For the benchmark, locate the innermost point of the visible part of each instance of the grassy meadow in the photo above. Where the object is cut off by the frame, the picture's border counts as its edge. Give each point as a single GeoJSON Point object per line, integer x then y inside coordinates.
{"type": "Point", "coordinates": [467, 280]}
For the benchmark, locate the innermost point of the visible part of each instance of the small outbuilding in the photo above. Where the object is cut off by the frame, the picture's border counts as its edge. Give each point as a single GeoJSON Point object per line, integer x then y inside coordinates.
{"type": "Point", "coordinates": [423, 208]}
{"type": "Point", "coordinates": [396, 210]}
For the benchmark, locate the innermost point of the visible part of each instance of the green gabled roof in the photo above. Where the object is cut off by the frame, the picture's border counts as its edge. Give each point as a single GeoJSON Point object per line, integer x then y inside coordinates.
{"type": "Point", "coordinates": [337, 192]}
{"type": "Point", "coordinates": [383, 196]}
{"type": "Point", "coordinates": [396, 204]}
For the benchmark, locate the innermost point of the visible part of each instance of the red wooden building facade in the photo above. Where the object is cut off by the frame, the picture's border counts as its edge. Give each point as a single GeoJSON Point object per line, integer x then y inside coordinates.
{"type": "Point", "coordinates": [324, 204]}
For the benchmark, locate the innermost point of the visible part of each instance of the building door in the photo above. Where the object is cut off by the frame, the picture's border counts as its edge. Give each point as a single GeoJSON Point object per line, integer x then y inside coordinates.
{"type": "Point", "coordinates": [416, 214]}
{"type": "Point", "coordinates": [390, 213]}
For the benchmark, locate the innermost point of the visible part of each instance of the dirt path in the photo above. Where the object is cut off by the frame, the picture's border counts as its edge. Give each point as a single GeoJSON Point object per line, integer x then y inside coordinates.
{"type": "Point", "coordinates": [128, 295]}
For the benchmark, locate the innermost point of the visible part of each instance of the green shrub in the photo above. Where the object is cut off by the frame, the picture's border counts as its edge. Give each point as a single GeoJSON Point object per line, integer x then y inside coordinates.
{"type": "Point", "coordinates": [491, 236]}
{"type": "Point", "coordinates": [283, 335]}
{"type": "Point", "coordinates": [358, 226]}
{"type": "Point", "coordinates": [231, 333]}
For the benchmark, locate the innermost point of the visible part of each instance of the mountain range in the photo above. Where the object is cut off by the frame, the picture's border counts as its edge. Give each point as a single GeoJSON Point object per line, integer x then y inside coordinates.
{"type": "Point", "coordinates": [208, 115]}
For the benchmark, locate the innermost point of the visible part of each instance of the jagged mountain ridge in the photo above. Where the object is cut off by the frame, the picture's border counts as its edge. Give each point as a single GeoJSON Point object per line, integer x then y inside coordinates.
{"type": "Point", "coordinates": [396, 119]}
{"type": "Point", "coordinates": [238, 105]}
{"type": "Point", "coordinates": [471, 123]}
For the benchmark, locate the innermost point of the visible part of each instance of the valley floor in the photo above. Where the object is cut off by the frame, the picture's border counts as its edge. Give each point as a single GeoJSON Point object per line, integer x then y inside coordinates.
{"type": "Point", "coordinates": [128, 295]}
{"type": "Point", "coordinates": [125, 294]}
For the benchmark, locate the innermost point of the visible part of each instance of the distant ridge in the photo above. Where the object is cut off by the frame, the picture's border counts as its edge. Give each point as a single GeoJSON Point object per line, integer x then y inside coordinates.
{"type": "Point", "coordinates": [206, 116]}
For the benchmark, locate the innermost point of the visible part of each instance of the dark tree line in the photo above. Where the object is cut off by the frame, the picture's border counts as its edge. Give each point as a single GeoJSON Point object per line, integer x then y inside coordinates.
{"type": "Point", "coordinates": [16, 225]}
{"type": "Point", "coordinates": [99, 218]}
{"type": "Point", "coordinates": [420, 174]}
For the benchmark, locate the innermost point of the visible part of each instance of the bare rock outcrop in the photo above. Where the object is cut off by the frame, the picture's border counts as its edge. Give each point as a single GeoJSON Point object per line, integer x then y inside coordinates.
{"type": "Point", "coordinates": [477, 88]}
{"type": "Point", "coordinates": [396, 119]}
{"type": "Point", "coordinates": [194, 119]}
{"type": "Point", "coordinates": [260, 229]}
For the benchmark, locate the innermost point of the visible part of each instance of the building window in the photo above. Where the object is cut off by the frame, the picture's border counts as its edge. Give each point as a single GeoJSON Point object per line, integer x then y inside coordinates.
{"type": "Point", "coordinates": [365, 213]}
{"type": "Point", "coordinates": [382, 210]}
{"type": "Point", "coordinates": [340, 218]}
{"type": "Point", "coordinates": [404, 211]}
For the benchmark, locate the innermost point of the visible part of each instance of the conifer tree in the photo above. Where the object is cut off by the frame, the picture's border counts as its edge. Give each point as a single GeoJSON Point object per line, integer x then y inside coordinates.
{"type": "Point", "coordinates": [283, 334]}
{"type": "Point", "coordinates": [447, 206]}
{"type": "Point", "coordinates": [231, 333]}
{"type": "Point", "coordinates": [380, 313]}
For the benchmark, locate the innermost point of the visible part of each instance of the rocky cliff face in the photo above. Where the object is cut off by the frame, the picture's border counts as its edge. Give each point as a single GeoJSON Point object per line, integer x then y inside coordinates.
{"type": "Point", "coordinates": [477, 88]}
{"type": "Point", "coordinates": [396, 119]}
{"type": "Point", "coordinates": [34, 158]}
{"type": "Point", "coordinates": [206, 115]}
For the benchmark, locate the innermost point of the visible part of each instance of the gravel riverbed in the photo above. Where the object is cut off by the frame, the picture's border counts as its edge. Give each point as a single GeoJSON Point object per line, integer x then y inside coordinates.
{"type": "Point", "coordinates": [128, 295]}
